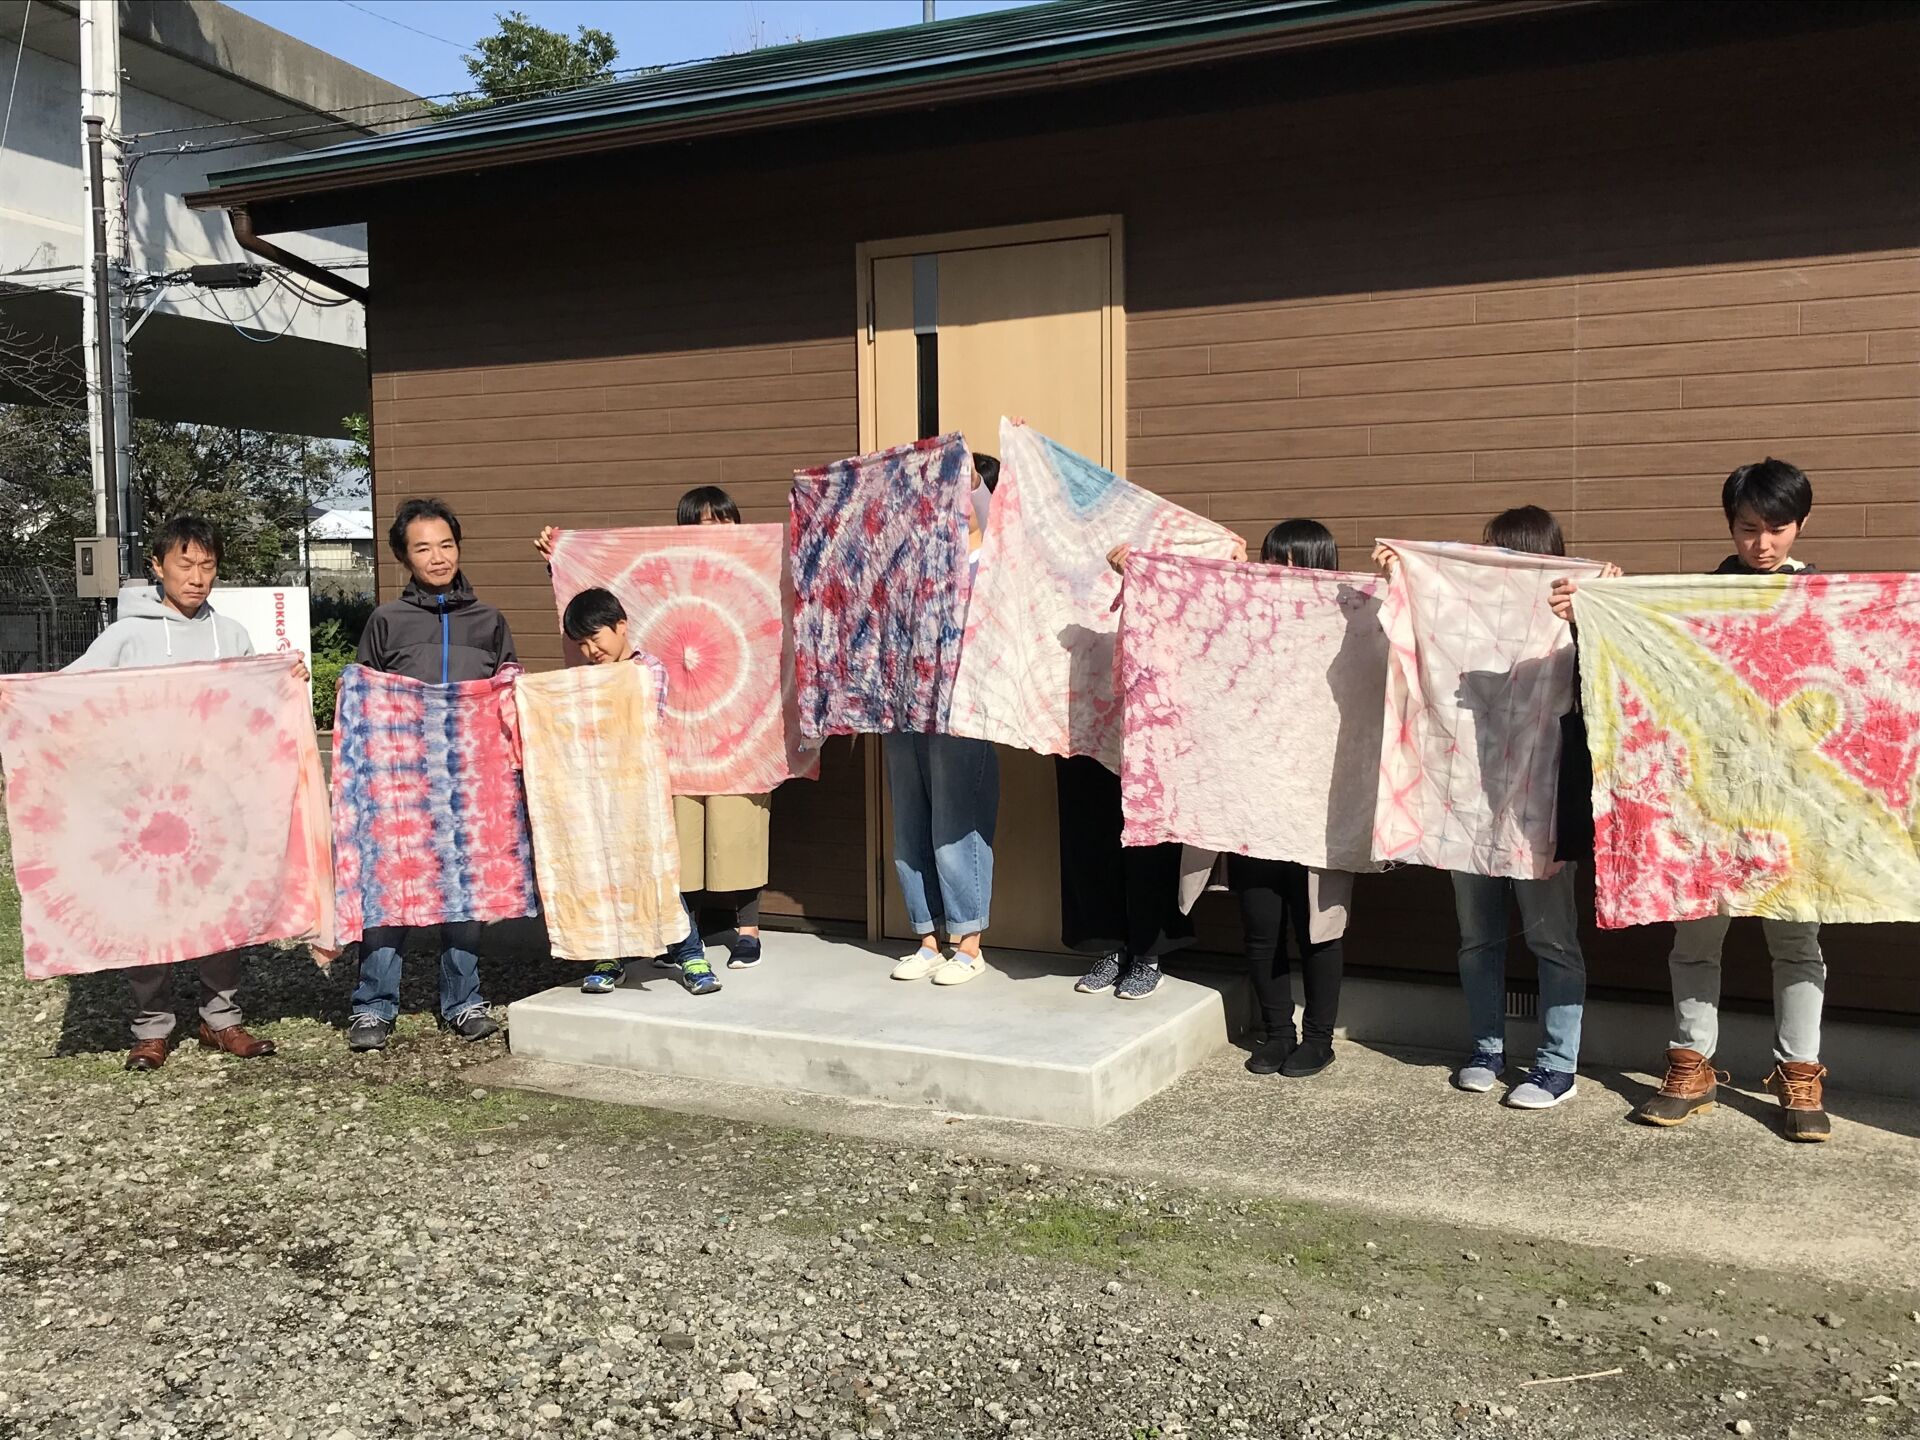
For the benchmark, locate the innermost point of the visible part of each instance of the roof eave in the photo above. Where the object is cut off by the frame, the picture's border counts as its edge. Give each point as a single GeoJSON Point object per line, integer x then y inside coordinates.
{"type": "Point", "coordinates": [915, 93]}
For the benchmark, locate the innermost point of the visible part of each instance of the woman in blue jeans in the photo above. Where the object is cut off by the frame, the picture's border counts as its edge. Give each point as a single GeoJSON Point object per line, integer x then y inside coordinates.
{"type": "Point", "coordinates": [1549, 914]}
{"type": "Point", "coordinates": [946, 800]}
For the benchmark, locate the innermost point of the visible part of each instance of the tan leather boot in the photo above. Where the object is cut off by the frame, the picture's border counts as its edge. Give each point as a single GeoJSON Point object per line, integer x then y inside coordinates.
{"type": "Point", "coordinates": [1689, 1089]}
{"type": "Point", "coordinates": [1803, 1112]}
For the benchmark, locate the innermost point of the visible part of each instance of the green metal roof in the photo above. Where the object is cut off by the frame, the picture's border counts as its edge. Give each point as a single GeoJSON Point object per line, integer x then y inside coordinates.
{"type": "Point", "coordinates": [912, 56]}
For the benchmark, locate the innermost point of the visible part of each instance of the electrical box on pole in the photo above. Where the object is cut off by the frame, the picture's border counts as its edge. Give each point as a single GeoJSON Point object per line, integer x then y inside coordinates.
{"type": "Point", "coordinates": [96, 567]}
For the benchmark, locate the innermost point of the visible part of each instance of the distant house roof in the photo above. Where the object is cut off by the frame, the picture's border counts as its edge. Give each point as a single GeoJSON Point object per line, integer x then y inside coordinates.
{"type": "Point", "coordinates": [1035, 47]}
{"type": "Point", "coordinates": [341, 525]}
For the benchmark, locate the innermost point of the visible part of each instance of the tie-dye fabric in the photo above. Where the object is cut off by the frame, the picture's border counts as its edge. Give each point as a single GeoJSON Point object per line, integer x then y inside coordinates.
{"type": "Point", "coordinates": [1252, 709]}
{"type": "Point", "coordinates": [604, 846]}
{"type": "Point", "coordinates": [1756, 746]}
{"type": "Point", "coordinates": [710, 602]}
{"type": "Point", "coordinates": [880, 585]}
{"type": "Point", "coordinates": [164, 813]}
{"type": "Point", "coordinates": [1480, 674]}
{"type": "Point", "coordinates": [429, 824]}
{"type": "Point", "coordinates": [1037, 667]}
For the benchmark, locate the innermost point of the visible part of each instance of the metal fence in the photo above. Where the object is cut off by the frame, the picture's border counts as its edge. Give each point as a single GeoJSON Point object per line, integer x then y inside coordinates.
{"type": "Point", "coordinates": [43, 623]}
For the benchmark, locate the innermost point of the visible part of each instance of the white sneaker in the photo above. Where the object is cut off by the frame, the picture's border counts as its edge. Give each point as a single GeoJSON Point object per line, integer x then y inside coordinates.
{"type": "Point", "coordinates": [919, 965]}
{"type": "Point", "coordinates": [959, 970]}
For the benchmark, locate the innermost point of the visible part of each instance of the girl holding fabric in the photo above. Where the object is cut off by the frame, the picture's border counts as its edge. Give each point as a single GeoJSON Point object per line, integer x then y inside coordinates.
{"type": "Point", "coordinates": [724, 839]}
{"type": "Point", "coordinates": [946, 801]}
{"type": "Point", "coordinates": [1279, 895]}
{"type": "Point", "coordinates": [1549, 914]}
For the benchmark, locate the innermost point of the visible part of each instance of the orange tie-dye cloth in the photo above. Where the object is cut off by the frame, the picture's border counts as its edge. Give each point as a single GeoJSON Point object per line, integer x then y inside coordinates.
{"type": "Point", "coordinates": [164, 813]}
{"type": "Point", "coordinates": [605, 853]}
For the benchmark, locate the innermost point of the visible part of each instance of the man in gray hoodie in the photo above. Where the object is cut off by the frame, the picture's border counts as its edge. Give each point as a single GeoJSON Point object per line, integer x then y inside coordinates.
{"type": "Point", "coordinates": [169, 625]}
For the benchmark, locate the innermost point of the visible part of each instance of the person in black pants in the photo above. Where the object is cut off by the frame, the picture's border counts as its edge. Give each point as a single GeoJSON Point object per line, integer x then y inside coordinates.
{"type": "Point", "coordinates": [1121, 902]}
{"type": "Point", "coordinates": [1278, 895]}
{"type": "Point", "coordinates": [1275, 896]}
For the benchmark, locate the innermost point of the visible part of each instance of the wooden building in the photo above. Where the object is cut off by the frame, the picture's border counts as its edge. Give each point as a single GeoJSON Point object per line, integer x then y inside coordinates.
{"type": "Point", "coordinates": [1391, 265]}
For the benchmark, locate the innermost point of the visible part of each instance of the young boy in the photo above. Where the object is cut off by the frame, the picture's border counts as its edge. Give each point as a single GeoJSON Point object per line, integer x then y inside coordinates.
{"type": "Point", "coordinates": [1766, 505]}
{"type": "Point", "coordinates": [596, 621]}
{"type": "Point", "coordinates": [168, 625]}
{"type": "Point", "coordinates": [436, 631]}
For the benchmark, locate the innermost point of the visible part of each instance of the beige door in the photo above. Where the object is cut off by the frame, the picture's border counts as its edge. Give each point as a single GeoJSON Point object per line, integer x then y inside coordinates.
{"type": "Point", "coordinates": [962, 332]}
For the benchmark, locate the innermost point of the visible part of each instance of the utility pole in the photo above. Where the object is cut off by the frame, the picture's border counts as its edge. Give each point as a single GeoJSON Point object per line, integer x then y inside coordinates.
{"type": "Point", "coordinates": [926, 12]}
{"type": "Point", "coordinates": [103, 248]}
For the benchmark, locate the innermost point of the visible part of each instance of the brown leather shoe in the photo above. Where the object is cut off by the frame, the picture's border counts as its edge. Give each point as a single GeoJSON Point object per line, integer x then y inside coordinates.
{"type": "Point", "coordinates": [235, 1041]}
{"type": "Point", "coordinates": [1689, 1089]}
{"type": "Point", "coordinates": [1803, 1113]}
{"type": "Point", "coordinates": [147, 1055]}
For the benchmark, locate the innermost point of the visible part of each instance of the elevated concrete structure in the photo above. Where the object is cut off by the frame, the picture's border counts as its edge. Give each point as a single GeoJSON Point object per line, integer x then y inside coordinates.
{"type": "Point", "coordinates": [822, 1017]}
{"type": "Point", "coordinates": [222, 88]}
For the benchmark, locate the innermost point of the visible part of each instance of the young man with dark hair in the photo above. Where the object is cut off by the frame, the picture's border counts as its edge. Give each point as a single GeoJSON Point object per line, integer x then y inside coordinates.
{"type": "Point", "coordinates": [1766, 505]}
{"type": "Point", "coordinates": [169, 625]}
{"type": "Point", "coordinates": [440, 632]}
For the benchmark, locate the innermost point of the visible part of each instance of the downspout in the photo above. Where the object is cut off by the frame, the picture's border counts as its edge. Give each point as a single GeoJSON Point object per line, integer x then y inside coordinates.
{"type": "Point", "coordinates": [243, 231]}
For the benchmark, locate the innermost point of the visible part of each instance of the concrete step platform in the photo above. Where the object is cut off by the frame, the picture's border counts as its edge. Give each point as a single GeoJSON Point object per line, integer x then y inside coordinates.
{"type": "Point", "coordinates": [821, 1016]}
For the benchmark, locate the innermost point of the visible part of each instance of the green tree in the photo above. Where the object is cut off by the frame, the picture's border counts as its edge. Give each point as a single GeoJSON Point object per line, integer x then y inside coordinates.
{"type": "Point", "coordinates": [255, 486]}
{"type": "Point", "coordinates": [522, 61]}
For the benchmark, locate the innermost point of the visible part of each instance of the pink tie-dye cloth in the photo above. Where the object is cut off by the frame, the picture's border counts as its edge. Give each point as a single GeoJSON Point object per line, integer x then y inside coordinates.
{"type": "Point", "coordinates": [164, 813]}
{"type": "Point", "coordinates": [711, 601]}
{"type": "Point", "coordinates": [1481, 672]}
{"type": "Point", "coordinates": [1252, 708]}
{"type": "Point", "coordinates": [1037, 664]}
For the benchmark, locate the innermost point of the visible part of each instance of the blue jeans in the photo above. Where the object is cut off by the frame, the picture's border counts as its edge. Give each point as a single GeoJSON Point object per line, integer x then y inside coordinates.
{"type": "Point", "coordinates": [381, 948]}
{"type": "Point", "coordinates": [1550, 921]}
{"type": "Point", "coordinates": [946, 798]}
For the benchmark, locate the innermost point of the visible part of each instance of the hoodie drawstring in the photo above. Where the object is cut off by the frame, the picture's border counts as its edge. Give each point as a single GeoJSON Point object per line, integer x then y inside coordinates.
{"type": "Point", "coordinates": [443, 640]}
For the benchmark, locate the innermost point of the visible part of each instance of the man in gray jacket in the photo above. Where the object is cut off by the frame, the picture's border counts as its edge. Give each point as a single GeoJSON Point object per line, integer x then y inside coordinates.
{"type": "Point", "coordinates": [169, 625]}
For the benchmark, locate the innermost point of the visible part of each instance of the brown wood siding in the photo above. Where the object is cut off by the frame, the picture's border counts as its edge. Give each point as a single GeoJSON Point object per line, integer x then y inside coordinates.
{"type": "Point", "coordinates": [1397, 306]}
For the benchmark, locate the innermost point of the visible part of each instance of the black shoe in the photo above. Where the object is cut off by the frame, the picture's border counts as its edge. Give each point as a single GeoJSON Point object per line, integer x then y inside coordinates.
{"type": "Point", "coordinates": [1272, 1053]}
{"type": "Point", "coordinates": [368, 1032]}
{"type": "Point", "coordinates": [474, 1024]}
{"type": "Point", "coordinates": [1309, 1057]}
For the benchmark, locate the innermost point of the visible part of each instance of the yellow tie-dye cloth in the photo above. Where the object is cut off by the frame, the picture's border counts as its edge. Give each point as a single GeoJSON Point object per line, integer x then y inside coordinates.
{"type": "Point", "coordinates": [605, 852]}
{"type": "Point", "coordinates": [1756, 746]}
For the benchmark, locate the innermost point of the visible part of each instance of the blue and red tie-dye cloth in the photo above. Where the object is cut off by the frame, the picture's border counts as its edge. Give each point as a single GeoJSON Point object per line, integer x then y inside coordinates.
{"type": "Point", "coordinates": [880, 588]}
{"type": "Point", "coordinates": [429, 821]}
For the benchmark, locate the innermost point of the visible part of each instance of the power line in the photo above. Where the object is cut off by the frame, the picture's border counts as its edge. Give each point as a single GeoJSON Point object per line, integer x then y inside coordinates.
{"type": "Point", "coordinates": [364, 10]}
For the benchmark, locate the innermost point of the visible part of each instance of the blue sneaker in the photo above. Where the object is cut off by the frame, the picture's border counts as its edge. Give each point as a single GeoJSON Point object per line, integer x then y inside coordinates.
{"type": "Point", "coordinates": [604, 978]}
{"type": "Point", "coordinates": [681, 951]}
{"type": "Point", "coordinates": [698, 977]}
{"type": "Point", "coordinates": [1542, 1089]}
{"type": "Point", "coordinates": [1482, 1072]}
{"type": "Point", "coordinates": [744, 952]}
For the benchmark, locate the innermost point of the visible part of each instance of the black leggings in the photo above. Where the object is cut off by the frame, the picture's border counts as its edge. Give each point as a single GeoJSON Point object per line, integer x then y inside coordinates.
{"type": "Point", "coordinates": [1272, 894]}
{"type": "Point", "coordinates": [1112, 895]}
{"type": "Point", "coordinates": [745, 905]}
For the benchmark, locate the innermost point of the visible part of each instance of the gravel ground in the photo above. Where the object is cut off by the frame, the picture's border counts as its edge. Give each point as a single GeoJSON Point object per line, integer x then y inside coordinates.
{"type": "Point", "coordinates": [330, 1246]}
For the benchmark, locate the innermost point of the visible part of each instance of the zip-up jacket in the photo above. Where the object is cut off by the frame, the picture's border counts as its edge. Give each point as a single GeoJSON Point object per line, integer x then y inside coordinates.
{"type": "Point", "coordinates": [437, 638]}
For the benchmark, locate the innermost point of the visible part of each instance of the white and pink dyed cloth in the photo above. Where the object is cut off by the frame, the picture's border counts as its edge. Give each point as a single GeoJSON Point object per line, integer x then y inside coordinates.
{"type": "Point", "coordinates": [1481, 672]}
{"type": "Point", "coordinates": [712, 603]}
{"type": "Point", "coordinates": [1252, 708]}
{"type": "Point", "coordinates": [164, 813]}
{"type": "Point", "coordinates": [1037, 663]}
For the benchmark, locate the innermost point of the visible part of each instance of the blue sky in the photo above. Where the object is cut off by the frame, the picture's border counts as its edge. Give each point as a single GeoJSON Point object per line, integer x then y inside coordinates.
{"type": "Point", "coordinates": [418, 43]}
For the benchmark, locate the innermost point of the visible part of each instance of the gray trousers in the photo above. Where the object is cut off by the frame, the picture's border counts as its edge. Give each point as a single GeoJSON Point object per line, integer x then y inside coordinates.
{"type": "Point", "coordinates": [153, 998]}
{"type": "Point", "coordinates": [1799, 986]}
